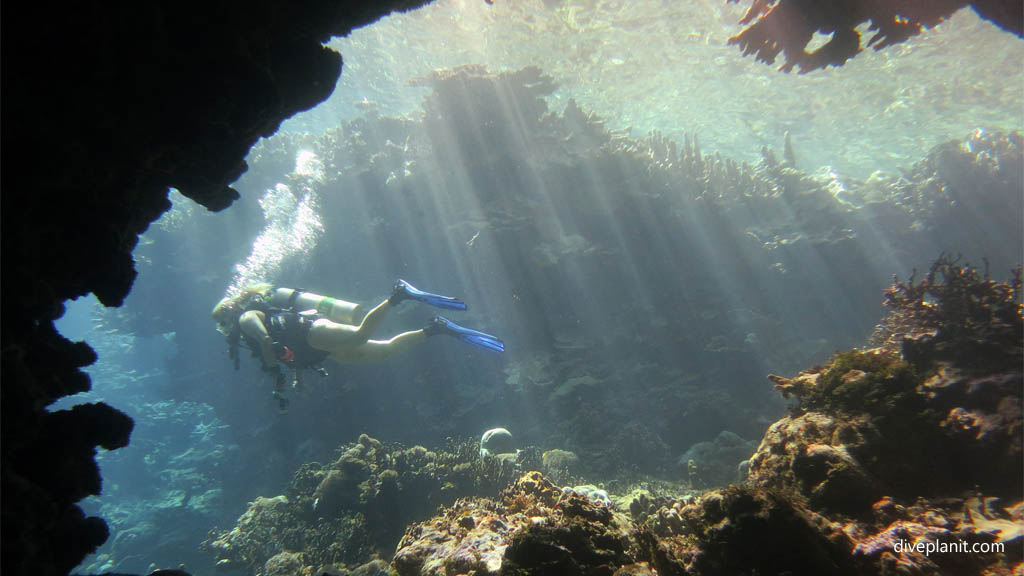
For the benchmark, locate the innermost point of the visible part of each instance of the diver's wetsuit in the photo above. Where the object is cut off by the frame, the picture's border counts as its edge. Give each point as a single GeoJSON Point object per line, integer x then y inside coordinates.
{"type": "Point", "coordinates": [289, 331]}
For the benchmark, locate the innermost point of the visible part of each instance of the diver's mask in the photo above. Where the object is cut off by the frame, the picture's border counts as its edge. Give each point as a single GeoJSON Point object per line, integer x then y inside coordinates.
{"type": "Point", "coordinates": [227, 319]}
{"type": "Point", "coordinates": [224, 328]}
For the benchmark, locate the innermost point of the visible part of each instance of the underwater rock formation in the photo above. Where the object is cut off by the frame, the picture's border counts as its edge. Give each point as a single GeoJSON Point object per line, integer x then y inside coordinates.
{"type": "Point", "coordinates": [560, 465]}
{"type": "Point", "coordinates": [957, 414]}
{"type": "Point", "coordinates": [715, 463]}
{"type": "Point", "coordinates": [883, 456]}
{"type": "Point", "coordinates": [157, 98]}
{"type": "Point", "coordinates": [345, 513]}
{"type": "Point", "coordinates": [534, 528]}
{"type": "Point", "coordinates": [917, 445]}
{"type": "Point", "coordinates": [537, 529]}
{"type": "Point", "coordinates": [787, 26]}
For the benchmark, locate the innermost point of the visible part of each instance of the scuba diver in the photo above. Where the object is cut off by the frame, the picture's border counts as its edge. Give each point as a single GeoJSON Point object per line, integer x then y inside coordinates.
{"type": "Point", "coordinates": [300, 329]}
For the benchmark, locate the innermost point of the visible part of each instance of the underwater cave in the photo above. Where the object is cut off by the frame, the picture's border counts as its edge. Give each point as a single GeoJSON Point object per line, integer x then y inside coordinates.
{"type": "Point", "coordinates": [652, 228]}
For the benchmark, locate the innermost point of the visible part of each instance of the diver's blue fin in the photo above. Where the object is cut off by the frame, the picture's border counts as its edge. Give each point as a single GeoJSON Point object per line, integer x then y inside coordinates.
{"type": "Point", "coordinates": [442, 325]}
{"type": "Point", "coordinates": [405, 291]}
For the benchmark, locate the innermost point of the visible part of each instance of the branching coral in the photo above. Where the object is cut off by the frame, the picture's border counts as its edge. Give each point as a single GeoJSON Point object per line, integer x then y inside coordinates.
{"type": "Point", "coordinates": [788, 26]}
{"type": "Point", "coordinates": [970, 319]}
{"type": "Point", "coordinates": [981, 173]}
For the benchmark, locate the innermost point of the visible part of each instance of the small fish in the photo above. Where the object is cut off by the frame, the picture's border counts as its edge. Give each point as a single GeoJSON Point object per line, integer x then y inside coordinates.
{"type": "Point", "coordinates": [473, 240]}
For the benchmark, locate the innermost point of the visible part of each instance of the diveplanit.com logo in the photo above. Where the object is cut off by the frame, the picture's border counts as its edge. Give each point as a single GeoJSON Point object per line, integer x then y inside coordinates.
{"type": "Point", "coordinates": [927, 547]}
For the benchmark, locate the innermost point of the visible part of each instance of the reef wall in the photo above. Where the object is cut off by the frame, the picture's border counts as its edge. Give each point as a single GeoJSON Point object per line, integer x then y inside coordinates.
{"type": "Point", "coordinates": [105, 107]}
{"type": "Point", "coordinates": [894, 459]}
{"type": "Point", "coordinates": [828, 491]}
{"type": "Point", "coordinates": [644, 285]}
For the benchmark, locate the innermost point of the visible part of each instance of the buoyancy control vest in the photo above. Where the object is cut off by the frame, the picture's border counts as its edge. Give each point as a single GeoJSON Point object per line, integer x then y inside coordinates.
{"type": "Point", "coordinates": [288, 331]}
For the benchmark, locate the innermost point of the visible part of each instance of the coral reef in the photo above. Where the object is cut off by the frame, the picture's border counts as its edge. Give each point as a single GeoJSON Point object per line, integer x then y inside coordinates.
{"type": "Point", "coordinates": [958, 315]}
{"type": "Point", "coordinates": [891, 444]}
{"type": "Point", "coordinates": [787, 26]}
{"type": "Point", "coordinates": [534, 528]}
{"type": "Point", "coordinates": [345, 513]}
{"type": "Point", "coordinates": [958, 418]}
{"type": "Point", "coordinates": [985, 166]}
{"type": "Point", "coordinates": [715, 463]}
{"type": "Point", "coordinates": [772, 233]}
{"type": "Point", "coordinates": [559, 465]}
{"type": "Point", "coordinates": [888, 463]}
{"type": "Point", "coordinates": [537, 529]}
{"type": "Point", "coordinates": [176, 485]}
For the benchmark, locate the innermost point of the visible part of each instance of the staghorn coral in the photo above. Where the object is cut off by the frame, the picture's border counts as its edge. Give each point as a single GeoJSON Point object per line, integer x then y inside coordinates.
{"type": "Point", "coordinates": [787, 26]}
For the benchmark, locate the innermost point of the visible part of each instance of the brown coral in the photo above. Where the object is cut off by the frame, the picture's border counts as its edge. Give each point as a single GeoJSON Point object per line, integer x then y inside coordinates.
{"type": "Point", "coordinates": [535, 529]}
{"type": "Point", "coordinates": [958, 314]}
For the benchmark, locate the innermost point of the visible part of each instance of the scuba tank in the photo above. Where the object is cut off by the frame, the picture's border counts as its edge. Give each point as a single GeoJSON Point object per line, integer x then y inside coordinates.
{"type": "Point", "coordinates": [336, 310]}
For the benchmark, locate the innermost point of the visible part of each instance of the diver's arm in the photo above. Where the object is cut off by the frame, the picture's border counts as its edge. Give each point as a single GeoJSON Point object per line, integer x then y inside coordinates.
{"type": "Point", "coordinates": [252, 326]}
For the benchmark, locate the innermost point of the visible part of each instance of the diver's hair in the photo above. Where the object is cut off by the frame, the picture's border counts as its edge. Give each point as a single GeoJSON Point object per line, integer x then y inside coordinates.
{"type": "Point", "coordinates": [239, 300]}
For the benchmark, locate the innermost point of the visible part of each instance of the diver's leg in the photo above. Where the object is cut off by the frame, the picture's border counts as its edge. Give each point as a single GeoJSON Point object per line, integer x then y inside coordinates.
{"type": "Point", "coordinates": [373, 319]}
{"type": "Point", "coordinates": [332, 336]}
{"type": "Point", "coordinates": [378, 350]}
